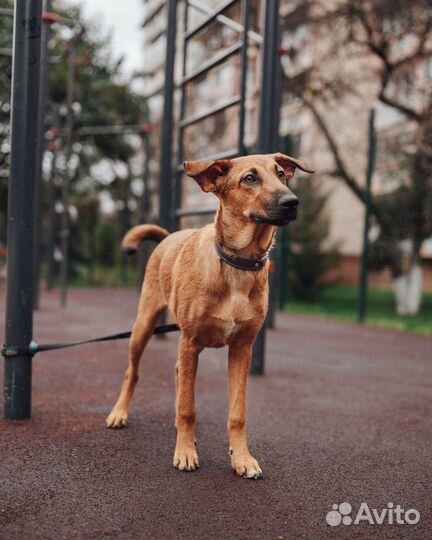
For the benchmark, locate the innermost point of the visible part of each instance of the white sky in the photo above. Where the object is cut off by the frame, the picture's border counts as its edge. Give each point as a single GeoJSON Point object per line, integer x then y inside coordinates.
{"type": "Point", "coordinates": [123, 18]}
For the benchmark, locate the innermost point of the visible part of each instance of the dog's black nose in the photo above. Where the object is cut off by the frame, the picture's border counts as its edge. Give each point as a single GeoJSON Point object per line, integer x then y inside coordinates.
{"type": "Point", "coordinates": [289, 202]}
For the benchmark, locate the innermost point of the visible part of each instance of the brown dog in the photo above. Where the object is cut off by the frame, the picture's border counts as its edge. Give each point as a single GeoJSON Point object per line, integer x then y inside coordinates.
{"type": "Point", "coordinates": [214, 280]}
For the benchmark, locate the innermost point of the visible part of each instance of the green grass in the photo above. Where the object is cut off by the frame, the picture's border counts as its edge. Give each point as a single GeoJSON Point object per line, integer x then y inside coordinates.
{"type": "Point", "coordinates": [106, 277]}
{"type": "Point", "coordinates": [340, 303]}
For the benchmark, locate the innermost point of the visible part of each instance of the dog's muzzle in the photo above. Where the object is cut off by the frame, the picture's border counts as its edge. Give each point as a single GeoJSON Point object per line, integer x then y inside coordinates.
{"type": "Point", "coordinates": [281, 212]}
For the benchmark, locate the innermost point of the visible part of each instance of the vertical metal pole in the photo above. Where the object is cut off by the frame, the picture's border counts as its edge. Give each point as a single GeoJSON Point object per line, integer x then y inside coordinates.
{"type": "Point", "coordinates": [166, 173]}
{"type": "Point", "coordinates": [269, 69]}
{"type": "Point", "coordinates": [143, 253]}
{"type": "Point", "coordinates": [180, 141]}
{"type": "Point", "coordinates": [145, 207]}
{"type": "Point", "coordinates": [125, 226]}
{"type": "Point", "coordinates": [284, 242]}
{"type": "Point", "coordinates": [275, 255]}
{"type": "Point", "coordinates": [243, 78]}
{"type": "Point", "coordinates": [64, 268]}
{"type": "Point", "coordinates": [166, 214]}
{"type": "Point", "coordinates": [362, 301]}
{"type": "Point", "coordinates": [40, 149]}
{"type": "Point", "coordinates": [19, 304]}
{"type": "Point", "coordinates": [51, 205]}
{"type": "Point", "coordinates": [283, 265]}
{"type": "Point", "coordinates": [269, 63]}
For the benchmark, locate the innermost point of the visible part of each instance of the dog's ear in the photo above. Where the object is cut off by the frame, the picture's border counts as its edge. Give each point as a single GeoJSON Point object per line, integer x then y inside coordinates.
{"type": "Point", "coordinates": [207, 173]}
{"type": "Point", "coordinates": [290, 164]}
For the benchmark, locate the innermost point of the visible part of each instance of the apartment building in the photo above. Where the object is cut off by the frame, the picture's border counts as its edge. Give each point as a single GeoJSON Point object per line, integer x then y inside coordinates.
{"type": "Point", "coordinates": [353, 78]}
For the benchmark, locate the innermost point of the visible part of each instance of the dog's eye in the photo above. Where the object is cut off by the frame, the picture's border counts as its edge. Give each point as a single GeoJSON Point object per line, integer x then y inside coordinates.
{"type": "Point", "coordinates": [249, 179]}
{"type": "Point", "coordinates": [281, 174]}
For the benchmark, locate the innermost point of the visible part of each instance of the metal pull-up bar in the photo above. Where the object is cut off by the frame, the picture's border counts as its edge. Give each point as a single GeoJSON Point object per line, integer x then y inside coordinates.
{"type": "Point", "coordinates": [268, 136]}
{"type": "Point", "coordinates": [24, 132]}
{"type": "Point", "coordinates": [223, 19]}
{"type": "Point", "coordinates": [239, 47]}
{"type": "Point", "coordinates": [48, 18]}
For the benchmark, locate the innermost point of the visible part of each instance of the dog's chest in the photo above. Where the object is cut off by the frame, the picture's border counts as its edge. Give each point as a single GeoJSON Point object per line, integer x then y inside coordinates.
{"type": "Point", "coordinates": [232, 310]}
{"type": "Point", "coordinates": [226, 318]}
{"type": "Point", "coordinates": [235, 305]}
{"type": "Point", "coordinates": [229, 328]}
{"type": "Point", "coordinates": [216, 312]}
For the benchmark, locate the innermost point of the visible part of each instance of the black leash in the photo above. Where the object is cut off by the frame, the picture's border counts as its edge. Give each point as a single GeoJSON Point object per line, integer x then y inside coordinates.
{"type": "Point", "coordinates": [33, 347]}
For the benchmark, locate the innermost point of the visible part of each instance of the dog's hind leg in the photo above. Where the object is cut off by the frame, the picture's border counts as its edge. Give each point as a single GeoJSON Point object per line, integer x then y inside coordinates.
{"type": "Point", "coordinates": [150, 307]}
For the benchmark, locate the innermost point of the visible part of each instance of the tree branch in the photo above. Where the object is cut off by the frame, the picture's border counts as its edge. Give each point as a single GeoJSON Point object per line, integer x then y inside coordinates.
{"type": "Point", "coordinates": [379, 46]}
{"type": "Point", "coordinates": [404, 109]}
{"type": "Point", "coordinates": [340, 165]}
{"type": "Point", "coordinates": [341, 169]}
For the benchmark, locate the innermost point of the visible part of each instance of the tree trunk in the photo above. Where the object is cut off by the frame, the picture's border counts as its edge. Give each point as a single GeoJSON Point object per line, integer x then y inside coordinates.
{"type": "Point", "coordinates": [408, 290]}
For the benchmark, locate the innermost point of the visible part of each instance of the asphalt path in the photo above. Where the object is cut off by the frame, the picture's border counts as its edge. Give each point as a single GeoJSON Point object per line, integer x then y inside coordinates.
{"type": "Point", "coordinates": [343, 415]}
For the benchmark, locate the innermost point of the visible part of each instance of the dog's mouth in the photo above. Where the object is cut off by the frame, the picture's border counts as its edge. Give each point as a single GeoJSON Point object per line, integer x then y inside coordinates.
{"type": "Point", "coordinates": [275, 219]}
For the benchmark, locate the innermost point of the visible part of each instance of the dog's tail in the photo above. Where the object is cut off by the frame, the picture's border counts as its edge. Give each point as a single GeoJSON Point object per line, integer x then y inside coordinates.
{"type": "Point", "coordinates": [138, 234]}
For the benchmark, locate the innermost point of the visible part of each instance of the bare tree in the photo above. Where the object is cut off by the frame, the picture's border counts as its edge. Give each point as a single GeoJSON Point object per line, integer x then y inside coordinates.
{"type": "Point", "coordinates": [388, 45]}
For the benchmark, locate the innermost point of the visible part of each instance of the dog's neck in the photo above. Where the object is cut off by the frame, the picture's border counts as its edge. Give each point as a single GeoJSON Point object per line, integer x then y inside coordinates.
{"type": "Point", "coordinates": [242, 238]}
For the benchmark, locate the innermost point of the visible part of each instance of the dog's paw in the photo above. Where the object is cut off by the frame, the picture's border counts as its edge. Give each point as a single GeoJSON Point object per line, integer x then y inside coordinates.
{"type": "Point", "coordinates": [186, 459]}
{"type": "Point", "coordinates": [117, 419]}
{"type": "Point", "coordinates": [246, 466]}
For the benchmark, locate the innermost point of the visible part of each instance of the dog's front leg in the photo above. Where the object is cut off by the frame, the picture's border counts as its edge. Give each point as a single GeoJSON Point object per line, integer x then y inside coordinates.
{"type": "Point", "coordinates": [239, 360]}
{"type": "Point", "coordinates": [185, 455]}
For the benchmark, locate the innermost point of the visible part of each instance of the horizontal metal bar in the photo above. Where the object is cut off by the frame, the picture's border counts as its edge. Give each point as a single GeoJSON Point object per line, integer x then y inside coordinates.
{"type": "Point", "coordinates": [157, 35]}
{"type": "Point", "coordinates": [185, 212]}
{"type": "Point", "coordinates": [5, 52]}
{"type": "Point", "coordinates": [209, 112]}
{"type": "Point", "coordinates": [69, 22]}
{"type": "Point", "coordinates": [213, 62]}
{"type": "Point", "coordinates": [157, 8]}
{"type": "Point", "coordinates": [225, 20]}
{"type": "Point", "coordinates": [228, 154]}
{"type": "Point", "coordinates": [211, 17]}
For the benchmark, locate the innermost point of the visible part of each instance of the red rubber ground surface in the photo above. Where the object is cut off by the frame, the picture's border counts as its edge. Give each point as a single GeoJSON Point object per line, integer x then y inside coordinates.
{"type": "Point", "coordinates": [343, 414]}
